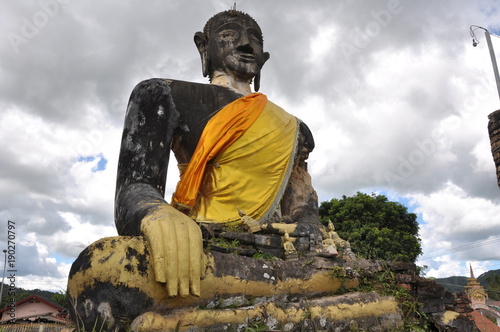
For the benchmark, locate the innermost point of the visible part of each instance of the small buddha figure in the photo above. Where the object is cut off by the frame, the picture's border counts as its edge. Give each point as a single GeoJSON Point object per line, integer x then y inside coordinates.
{"type": "Point", "coordinates": [290, 251]}
{"type": "Point", "coordinates": [333, 244]}
{"type": "Point", "coordinates": [348, 254]}
{"type": "Point", "coordinates": [329, 246]}
{"type": "Point", "coordinates": [339, 243]}
{"type": "Point", "coordinates": [312, 243]}
{"type": "Point", "coordinates": [250, 224]}
{"type": "Point", "coordinates": [319, 244]}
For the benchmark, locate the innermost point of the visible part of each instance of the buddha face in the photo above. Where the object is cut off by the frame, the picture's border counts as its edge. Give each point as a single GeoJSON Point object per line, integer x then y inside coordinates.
{"type": "Point", "coordinates": [235, 47]}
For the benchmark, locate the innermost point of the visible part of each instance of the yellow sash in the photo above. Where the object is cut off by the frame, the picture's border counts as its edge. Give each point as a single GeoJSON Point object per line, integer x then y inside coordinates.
{"type": "Point", "coordinates": [219, 133]}
{"type": "Point", "coordinates": [251, 172]}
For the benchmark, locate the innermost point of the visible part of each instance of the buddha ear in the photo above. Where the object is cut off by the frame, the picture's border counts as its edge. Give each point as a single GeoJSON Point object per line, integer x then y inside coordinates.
{"type": "Point", "coordinates": [256, 80]}
{"type": "Point", "coordinates": [266, 57]}
{"type": "Point", "coordinates": [202, 45]}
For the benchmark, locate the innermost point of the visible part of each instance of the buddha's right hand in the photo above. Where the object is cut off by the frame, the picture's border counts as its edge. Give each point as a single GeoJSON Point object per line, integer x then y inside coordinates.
{"type": "Point", "coordinates": [176, 247]}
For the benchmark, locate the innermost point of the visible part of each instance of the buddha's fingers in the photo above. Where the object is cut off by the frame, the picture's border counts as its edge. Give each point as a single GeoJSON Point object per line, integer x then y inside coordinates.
{"type": "Point", "coordinates": [152, 230]}
{"type": "Point", "coordinates": [171, 252]}
{"type": "Point", "coordinates": [183, 255]}
{"type": "Point", "coordinates": [176, 250]}
{"type": "Point", "coordinates": [197, 264]}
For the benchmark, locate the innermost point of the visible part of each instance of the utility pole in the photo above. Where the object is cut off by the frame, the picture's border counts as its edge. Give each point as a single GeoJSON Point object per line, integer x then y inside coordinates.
{"type": "Point", "coordinates": [494, 118]}
{"type": "Point", "coordinates": [493, 59]}
{"type": "Point", "coordinates": [3, 276]}
{"type": "Point", "coordinates": [492, 52]}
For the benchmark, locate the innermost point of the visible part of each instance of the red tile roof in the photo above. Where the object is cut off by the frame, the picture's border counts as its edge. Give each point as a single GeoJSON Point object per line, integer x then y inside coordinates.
{"type": "Point", "coordinates": [484, 324]}
{"type": "Point", "coordinates": [35, 297]}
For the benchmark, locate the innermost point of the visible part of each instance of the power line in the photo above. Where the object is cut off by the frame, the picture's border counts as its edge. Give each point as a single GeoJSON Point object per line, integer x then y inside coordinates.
{"type": "Point", "coordinates": [464, 247]}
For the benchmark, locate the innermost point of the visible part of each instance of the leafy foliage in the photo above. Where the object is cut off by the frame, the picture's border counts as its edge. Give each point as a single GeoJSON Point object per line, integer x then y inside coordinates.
{"type": "Point", "coordinates": [493, 289]}
{"type": "Point", "coordinates": [256, 327]}
{"type": "Point", "coordinates": [375, 227]}
{"type": "Point", "coordinates": [60, 298]}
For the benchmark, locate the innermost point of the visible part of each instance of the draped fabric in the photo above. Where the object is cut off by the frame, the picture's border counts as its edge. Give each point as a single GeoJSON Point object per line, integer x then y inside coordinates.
{"type": "Point", "coordinates": [250, 172]}
{"type": "Point", "coordinates": [222, 130]}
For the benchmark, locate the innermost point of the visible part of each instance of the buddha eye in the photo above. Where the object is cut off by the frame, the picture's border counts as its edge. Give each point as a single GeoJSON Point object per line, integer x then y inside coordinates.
{"type": "Point", "coordinates": [255, 37]}
{"type": "Point", "coordinates": [228, 35]}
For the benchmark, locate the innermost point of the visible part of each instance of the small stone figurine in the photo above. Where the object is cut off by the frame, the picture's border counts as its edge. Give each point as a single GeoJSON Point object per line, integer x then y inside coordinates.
{"type": "Point", "coordinates": [332, 241]}
{"type": "Point", "coordinates": [252, 225]}
{"type": "Point", "coordinates": [290, 251]}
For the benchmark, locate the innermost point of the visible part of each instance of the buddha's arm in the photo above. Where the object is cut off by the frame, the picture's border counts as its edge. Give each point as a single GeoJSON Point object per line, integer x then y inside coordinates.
{"type": "Point", "coordinates": [142, 167]}
{"type": "Point", "coordinates": [140, 209]}
{"type": "Point", "coordinates": [308, 137]}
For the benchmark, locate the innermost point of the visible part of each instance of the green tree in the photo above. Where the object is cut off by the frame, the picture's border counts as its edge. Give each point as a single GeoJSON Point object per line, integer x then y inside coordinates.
{"type": "Point", "coordinates": [375, 227]}
{"type": "Point", "coordinates": [60, 298]}
{"type": "Point", "coordinates": [493, 289]}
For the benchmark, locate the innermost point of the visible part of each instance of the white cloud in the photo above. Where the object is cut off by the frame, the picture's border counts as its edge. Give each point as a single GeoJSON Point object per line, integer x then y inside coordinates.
{"type": "Point", "coordinates": [457, 227]}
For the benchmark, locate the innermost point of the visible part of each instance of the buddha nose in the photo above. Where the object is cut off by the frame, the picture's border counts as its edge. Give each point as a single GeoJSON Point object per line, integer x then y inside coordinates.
{"type": "Point", "coordinates": [244, 44]}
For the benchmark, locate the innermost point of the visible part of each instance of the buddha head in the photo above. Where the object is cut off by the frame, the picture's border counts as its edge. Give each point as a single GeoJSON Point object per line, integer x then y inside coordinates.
{"type": "Point", "coordinates": [331, 227]}
{"type": "Point", "coordinates": [232, 43]}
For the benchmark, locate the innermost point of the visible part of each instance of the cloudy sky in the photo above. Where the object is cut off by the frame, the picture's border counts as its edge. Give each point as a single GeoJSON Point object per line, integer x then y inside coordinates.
{"type": "Point", "coordinates": [393, 91]}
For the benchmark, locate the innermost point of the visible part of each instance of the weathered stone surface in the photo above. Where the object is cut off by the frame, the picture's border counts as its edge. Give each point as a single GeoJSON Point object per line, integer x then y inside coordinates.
{"type": "Point", "coordinates": [436, 297]}
{"type": "Point", "coordinates": [407, 268]}
{"type": "Point", "coordinates": [462, 303]}
{"type": "Point", "coordinates": [122, 263]}
{"type": "Point", "coordinates": [267, 241]}
{"type": "Point", "coordinates": [494, 133]}
{"type": "Point", "coordinates": [245, 238]}
{"type": "Point", "coordinates": [369, 312]}
{"type": "Point", "coordinates": [239, 291]}
{"type": "Point", "coordinates": [124, 293]}
{"type": "Point", "coordinates": [238, 251]}
{"type": "Point", "coordinates": [453, 321]}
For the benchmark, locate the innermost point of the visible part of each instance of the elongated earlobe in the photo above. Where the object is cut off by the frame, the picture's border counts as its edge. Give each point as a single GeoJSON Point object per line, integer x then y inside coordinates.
{"type": "Point", "coordinates": [205, 63]}
{"type": "Point", "coordinates": [202, 45]}
{"type": "Point", "coordinates": [256, 82]}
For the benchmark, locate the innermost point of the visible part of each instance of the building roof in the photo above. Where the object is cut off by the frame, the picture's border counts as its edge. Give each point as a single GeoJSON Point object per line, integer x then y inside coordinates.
{"type": "Point", "coordinates": [35, 297]}
{"type": "Point", "coordinates": [483, 324]}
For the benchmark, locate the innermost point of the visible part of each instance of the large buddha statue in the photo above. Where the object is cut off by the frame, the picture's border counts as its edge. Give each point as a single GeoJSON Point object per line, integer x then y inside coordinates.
{"type": "Point", "coordinates": [237, 152]}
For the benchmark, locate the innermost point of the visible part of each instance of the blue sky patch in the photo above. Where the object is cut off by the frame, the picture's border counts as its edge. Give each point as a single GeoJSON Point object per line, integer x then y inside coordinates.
{"type": "Point", "coordinates": [101, 164]}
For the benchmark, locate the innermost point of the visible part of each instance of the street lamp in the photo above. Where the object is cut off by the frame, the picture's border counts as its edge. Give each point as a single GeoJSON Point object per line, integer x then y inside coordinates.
{"type": "Point", "coordinates": [494, 118]}
{"type": "Point", "coordinates": [3, 277]}
{"type": "Point", "coordinates": [475, 41]}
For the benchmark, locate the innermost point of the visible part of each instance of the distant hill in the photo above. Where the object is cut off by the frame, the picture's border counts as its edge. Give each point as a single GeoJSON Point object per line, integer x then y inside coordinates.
{"type": "Point", "coordinates": [457, 284]}
{"type": "Point", "coordinates": [482, 277]}
{"type": "Point", "coordinates": [453, 284]}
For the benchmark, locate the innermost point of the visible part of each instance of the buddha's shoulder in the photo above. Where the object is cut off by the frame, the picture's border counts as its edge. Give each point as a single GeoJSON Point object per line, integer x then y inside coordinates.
{"type": "Point", "coordinates": [185, 88]}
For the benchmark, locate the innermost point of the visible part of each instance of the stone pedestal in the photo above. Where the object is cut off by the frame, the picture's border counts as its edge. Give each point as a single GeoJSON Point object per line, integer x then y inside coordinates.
{"type": "Point", "coordinates": [112, 285]}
